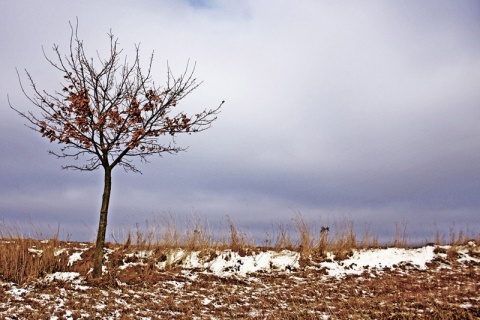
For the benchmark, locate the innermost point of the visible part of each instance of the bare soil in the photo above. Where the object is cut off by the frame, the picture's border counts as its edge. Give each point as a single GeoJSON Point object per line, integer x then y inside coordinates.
{"type": "Point", "coordinates": [447, 289]}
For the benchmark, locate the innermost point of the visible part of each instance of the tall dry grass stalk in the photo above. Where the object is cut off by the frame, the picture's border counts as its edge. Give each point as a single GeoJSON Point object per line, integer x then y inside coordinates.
{"type": "Point", "coordinates": [198, 235]}
{"type": "Point", "coordinates": [400, 240]}
{"type": "Point", "coordinates": [344, 240]}
{"type": "Point", "coordinates": [239, 240]}
{"type": "Point", "coordinates": [455, 236]}
{"type": "Point", "coordinates": [369, 240]}
{"type": "Point", "coordinates": [283, 238]}
{"type": "Point", "coordinates": [23, 259]}
{"type": "Point", "coordinates": [306, 238]}
{"type": "Point", "coordinates": [163, 232]}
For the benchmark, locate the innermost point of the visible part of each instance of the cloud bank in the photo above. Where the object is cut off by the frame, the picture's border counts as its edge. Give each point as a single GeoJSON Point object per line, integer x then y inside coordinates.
{"type": "Point", "coordinates": [368, 110]}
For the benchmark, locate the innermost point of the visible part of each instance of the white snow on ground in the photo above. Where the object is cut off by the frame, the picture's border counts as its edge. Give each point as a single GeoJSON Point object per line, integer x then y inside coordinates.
{"type": "Point", "coordinates": [380, 259]}
{"type": "Point", "coordinates": [63, 276]}
{"type": "Point", "coordinates": [38, 252]}
{"type": "Point", "coordinates": [465, 257]}
{"type": "Point", "coordinates": [140, 254]}
{"type": "Point", "coordinates": [231, 263]}
{"type": "Point", "coordinates": [228, 263]}
{"type": "Point", "coordinates": [59, 252]}
{"type": "Point", "coordinates": [18, 292]}
{"type": "Point", "coordinates": [76, 256]}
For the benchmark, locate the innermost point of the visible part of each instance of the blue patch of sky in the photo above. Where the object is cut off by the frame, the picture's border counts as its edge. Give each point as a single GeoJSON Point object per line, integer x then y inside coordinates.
{"type": "Point", "coordinates": [199, 4]}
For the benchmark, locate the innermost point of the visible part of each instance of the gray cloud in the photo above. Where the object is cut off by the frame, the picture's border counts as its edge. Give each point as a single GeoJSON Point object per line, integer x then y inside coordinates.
{"type": "Point", "coordinates": [369, 110]}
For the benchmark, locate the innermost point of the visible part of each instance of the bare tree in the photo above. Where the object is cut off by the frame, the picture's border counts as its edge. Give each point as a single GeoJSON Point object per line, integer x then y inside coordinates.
{"type": "Point", "coordinates": [109, 113]}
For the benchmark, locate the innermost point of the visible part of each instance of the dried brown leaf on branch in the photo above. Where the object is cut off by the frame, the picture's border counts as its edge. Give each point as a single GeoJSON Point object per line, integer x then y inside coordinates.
{"type": "Point", "coordinates": [109, 112]}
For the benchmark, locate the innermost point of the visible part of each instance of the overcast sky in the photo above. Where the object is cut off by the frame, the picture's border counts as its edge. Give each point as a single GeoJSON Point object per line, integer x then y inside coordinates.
{"type": "Point", "coordinates": [368, 110]}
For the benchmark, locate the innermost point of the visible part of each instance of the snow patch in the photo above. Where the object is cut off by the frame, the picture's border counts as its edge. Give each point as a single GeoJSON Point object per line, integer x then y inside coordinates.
{"type": "Point", "coordinates": [380, 259]}
{"type": "Point", "coordinates": [18, 292]}
{"type": "Point", "coordinates": [38, 252]}
{"type": "Point", "coordinates": [62, 276]}
{"type": "Point", "coordinates": [229, 262]}
{"type": "Point", "coordinates": [77, 256]}
{"type": "Point", "coordinates": [59, 252]}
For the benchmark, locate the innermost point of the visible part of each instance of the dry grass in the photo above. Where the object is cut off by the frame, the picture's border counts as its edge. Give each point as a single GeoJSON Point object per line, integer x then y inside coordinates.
{"type": "Point", "coordinates": [27, 259]}
{"type": "Point", "coordinates": [145, 291]}
{"type": "Point", "coordinates": [23, 259]}
{"type": "Point", "coordinates": [304, 294]}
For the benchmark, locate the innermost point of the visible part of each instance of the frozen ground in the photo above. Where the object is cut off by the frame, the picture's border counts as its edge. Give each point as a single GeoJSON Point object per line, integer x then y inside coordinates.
{"type": "Point", "coordinates": [429, 282]}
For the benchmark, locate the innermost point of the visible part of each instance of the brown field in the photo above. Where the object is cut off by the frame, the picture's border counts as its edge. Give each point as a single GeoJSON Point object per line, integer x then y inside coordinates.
{"type": "Point", "coordinates": [50, 279]}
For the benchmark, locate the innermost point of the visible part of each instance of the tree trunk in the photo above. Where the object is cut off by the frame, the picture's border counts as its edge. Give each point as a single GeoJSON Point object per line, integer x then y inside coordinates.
{"type": "Point", "coordinates": [102, 225]}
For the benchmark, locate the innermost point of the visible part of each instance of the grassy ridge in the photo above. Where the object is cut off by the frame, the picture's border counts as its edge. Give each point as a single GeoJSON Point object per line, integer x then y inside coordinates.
{"type": "Point", "coordinates": [23, 259]}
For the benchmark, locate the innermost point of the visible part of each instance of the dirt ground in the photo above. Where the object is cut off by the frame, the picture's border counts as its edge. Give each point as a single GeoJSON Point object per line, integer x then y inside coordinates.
{"type": "Point", "coordinates": [446, 290]}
